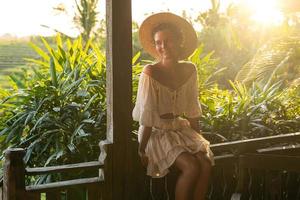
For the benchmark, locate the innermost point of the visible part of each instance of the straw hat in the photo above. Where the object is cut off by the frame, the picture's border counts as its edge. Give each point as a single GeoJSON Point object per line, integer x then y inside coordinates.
{"type": "Point", "coordinates": [186, 29]}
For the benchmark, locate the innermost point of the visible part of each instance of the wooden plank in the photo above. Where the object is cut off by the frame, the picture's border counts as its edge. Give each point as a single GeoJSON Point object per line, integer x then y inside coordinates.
{"type": "Point", "coordinates": [64, 168]}
{"type": "Point", "coordinates": [1, 193]}
{"type": "Point", "coordinates": [253, 144]}
{"type": "Point", "coordinates": [33, 196]}
{"type": "Point", "coordinates": [270, 162]}
{"type": "Point", "coordinates": [227, 159]}
{"type": "Point", "coordinates": [78, 193]}
{"type": "Point", "coordinates": [61, 185]}
{"type": "Point", "coordinates": [106, 153]}
{"type": "Point", "coordinates": [282, 150]}
{"type": "Point", "coordinates": [119, 92]}
{"type": "Point", "coordinates": [94, 192]}
{"type": "Point", "coordinates": [54, 195]}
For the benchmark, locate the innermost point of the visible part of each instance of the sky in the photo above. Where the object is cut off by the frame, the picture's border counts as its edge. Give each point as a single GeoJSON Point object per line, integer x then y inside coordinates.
{"type": "Point", "coordinates": [28, 17]}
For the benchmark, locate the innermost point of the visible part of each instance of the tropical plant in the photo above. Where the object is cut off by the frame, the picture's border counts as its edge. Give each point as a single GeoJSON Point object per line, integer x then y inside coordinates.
{"type": "Point", "coordinates": [206, 65]}
{"type": "Point", "coordinates": [220, 36]}
{"type": "Point", "coordinates": [86, 17]}
{"type": "Point", "coordinates": [277, 60]}
{"type": "Point", "coordinates": [251, 112]}
{"type": "Point", "coordinates": [57, 110]}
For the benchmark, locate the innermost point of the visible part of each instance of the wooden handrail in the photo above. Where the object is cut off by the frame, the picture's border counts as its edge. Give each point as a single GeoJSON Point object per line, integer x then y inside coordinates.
{"type": "Point", "coordinates": [61, 185]}
{"type": "Point", "coordinates": [253, 144]}
{"type": "Point", "coordinates": [226, 159]}
{"type": "Point", "coordinates": [281, 149]}
{"type": "Point", "coordinates": [64, 168]}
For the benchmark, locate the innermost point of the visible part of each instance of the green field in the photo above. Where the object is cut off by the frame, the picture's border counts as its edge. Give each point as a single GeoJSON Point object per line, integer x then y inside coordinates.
{"type": "Point", "coordinates": [12, 56]}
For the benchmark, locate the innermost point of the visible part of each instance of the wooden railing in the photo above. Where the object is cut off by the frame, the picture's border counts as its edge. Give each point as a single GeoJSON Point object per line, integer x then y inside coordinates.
{"type": "Point", "coordinates": [234, 178]}
{"type": "Point", "coordinates": [15, 173]}
{"type": "Point", "coordinates": [261, 168]}
{"type": "Point", "coordinates": [248, 168]}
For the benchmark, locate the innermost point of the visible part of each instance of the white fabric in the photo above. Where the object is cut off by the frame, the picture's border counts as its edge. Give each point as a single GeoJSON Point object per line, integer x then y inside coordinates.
{"type": "Point", "coordinates": [169, 137]}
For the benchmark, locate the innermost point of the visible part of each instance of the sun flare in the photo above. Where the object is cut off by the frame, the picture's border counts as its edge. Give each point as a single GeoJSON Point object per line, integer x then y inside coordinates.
{"type": "Point", "coordinates": [265, 11]}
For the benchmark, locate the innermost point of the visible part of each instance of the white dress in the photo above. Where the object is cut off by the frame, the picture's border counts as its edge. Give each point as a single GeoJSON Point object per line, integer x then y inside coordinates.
{"type": "Point", "coordinates": [169, 137]}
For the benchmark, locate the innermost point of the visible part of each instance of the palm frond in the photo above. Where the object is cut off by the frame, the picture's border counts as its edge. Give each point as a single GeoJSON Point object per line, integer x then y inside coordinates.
{"type": "Point", "coordinates": [270, 59]}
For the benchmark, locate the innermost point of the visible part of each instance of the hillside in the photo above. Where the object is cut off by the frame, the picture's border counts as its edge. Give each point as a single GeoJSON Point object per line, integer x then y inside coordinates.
{"type": "Point", "coordinates": [12, 56]}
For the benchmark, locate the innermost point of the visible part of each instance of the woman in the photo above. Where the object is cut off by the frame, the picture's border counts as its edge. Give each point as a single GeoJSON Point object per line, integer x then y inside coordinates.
{"type": "Point", "coordinates": [168, 109]}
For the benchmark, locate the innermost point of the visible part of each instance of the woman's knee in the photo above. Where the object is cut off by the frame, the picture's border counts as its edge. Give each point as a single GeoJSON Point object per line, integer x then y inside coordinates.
{"type": "Point", "coordinates": [188, 164]}
{"type": "Point", "coordinates": [205, 163]}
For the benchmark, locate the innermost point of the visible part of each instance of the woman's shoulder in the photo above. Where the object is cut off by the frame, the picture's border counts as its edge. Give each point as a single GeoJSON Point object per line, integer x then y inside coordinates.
{"type": "Point", "coordinates": [149, 69]}
{"type": "Point", "coordinates": [152, 70]}
{"type": "Point", "coordinates": [188, 67]}
{"type": "Point", "coordinates": [148, 73]}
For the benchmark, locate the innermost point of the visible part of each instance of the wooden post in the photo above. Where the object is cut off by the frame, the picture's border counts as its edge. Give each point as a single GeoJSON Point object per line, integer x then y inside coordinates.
{"type": "Point", "coordinates": [1, 191]}
{"type": "Point", "coordinates": [119, 93]}
{"type": "Point", "coordinates": [14, 175]}
{"type": "Point", "coordinates": [106, 158]}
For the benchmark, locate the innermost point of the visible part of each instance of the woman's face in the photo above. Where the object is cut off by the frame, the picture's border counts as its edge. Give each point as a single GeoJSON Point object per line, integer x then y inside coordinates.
{"type": "Point", "coordinates": [166, 45]}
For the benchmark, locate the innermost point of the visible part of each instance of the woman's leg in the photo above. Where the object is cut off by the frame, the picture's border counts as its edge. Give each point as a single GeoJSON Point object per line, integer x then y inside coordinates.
{"type": "Point", "coordinates": [203, 179]}
{"type": "Point", "coordinates": [190, 171]}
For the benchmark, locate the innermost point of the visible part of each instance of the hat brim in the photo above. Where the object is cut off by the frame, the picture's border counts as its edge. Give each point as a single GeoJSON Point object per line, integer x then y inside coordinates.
{"type": "Point", "coordinates": [188, 33]}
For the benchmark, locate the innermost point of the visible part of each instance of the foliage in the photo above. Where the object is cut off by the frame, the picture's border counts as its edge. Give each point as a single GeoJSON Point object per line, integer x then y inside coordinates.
{"type": "Point", "coordinates": [220, 36]}
{"type": "Point", "coordinates": [279, 59]}
{"type": "Point", "coordinates": [235, 37]}
{"type": "Point", "coordinates": [206, 65]}
{"type": "Point", "coordinates": [86, 17]}
{"type": "Point", "coordinates": [57, 110]}
{"type": "Point", "coordinates": [251, 112]}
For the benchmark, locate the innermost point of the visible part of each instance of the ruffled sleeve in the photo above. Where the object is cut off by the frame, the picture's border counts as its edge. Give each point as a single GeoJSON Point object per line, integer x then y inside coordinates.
{"type": "Point", "coordinates": [193, 108]}
{"type": "Point", "coordinates": [145, 110]}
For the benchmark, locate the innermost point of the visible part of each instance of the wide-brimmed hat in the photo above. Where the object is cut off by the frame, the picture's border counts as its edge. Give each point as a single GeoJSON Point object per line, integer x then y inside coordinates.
{"type": "Point", "coordinates": [189, 35]}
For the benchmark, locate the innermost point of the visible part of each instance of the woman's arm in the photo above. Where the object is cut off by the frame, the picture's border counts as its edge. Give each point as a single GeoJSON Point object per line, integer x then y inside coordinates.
{"type": "Point", "coordinates": [194, 122]}
{"type": "Point", "coordinates": [146, 133]}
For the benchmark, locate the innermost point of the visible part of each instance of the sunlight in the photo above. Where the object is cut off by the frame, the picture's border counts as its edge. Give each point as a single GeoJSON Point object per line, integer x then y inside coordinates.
{"type": "Point", "coordinates": [31, 17]}
{"type": "Point", "coordinates": [265, 12]}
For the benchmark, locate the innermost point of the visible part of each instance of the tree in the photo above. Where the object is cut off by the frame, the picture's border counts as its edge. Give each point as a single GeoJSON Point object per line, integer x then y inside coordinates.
{"type": "Point", "coordinates": [86, 17]}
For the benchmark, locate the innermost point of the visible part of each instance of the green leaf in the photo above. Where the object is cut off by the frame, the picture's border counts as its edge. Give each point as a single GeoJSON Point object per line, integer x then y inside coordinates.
{"type": "Point", "coordinates": [46, 44]}
{"type": "Point", "coordinates": [87, 106]}
{"type": "Point", "coordinates": [38, 62]}
{"type": "Point", "coordinates": [58, 41]}
{"type": "Point", "coordinates": [136, 57]}
{"type": "Point", "coordinates": [17, 81]}
{"type": "Point", "coordinates": [53, 72]}
{"type": "Point", "coordinates": [39, 51]}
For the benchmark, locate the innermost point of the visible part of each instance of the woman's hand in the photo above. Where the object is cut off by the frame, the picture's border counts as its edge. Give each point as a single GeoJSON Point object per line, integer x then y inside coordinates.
{"type": "Point", "coordinates": [146, 133]}
{"type": "Point", "coordinates": [144, 158]}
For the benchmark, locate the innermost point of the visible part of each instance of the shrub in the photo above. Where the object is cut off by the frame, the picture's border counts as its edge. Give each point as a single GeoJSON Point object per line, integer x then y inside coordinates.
{"type": "Point", "coordinates": [57, 110]}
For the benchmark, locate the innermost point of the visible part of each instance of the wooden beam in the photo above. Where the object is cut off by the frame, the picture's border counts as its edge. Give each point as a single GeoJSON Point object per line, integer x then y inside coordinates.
{"type": "Point", "coordinates": [64, 168]}
{"type": "Point", "coordinates": [270, 162]}
{"type": "Point", "coordinates": [62, 185]}
{"type": "Point", "coordinates": [253, 144]}
{"type": "Point", "coordinates": [119, 92]}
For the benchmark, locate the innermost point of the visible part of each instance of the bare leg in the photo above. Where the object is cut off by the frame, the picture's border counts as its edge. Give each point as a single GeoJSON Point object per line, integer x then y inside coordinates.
{"type": "Point", "coordinates": [190, 171]}
{"type": "Point", "coordinates": [203, 179]}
